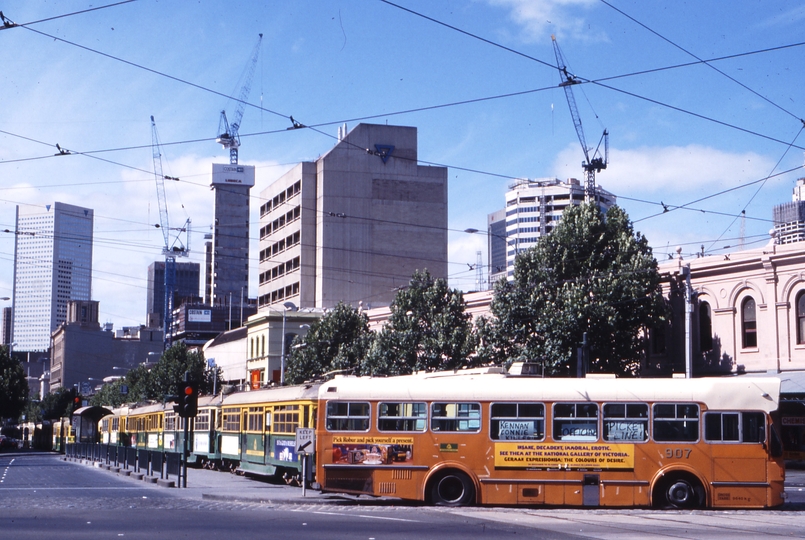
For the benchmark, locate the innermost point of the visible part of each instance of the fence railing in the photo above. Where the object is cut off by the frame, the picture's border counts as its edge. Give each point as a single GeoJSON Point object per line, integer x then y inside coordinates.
{"type": "Point", "coordinates": [150, 462]}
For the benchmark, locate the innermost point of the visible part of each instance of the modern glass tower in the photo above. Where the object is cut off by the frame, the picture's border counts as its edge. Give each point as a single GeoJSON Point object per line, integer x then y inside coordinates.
{"type": "Point", "coordinates": [52, 265]}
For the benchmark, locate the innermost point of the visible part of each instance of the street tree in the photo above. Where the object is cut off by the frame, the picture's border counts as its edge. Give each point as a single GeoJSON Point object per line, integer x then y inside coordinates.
{"type": "Point", "coordinates": [13, 386]}
{"type": "Point", "coordinates": [428, 330]}
{"type": "Point", "coordinates": [337, 341]}
{"type": "Point", "coordinates": [164, 377]}
{"type": "Point", "coordinates": [592, 275]}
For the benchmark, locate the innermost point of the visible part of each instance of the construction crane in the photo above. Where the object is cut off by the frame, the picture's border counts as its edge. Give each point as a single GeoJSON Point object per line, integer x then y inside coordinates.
{"type": "Point", "coordinates": [228, 136]}
{"type": "Point", "coordinates": [596, 163]}
{"type": "Point", "coordinates": [171, 249]}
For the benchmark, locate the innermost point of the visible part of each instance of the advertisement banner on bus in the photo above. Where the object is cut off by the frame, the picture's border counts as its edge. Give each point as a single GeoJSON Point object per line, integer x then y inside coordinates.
{"type": "Point", "coordinates": [564, 456]}
{"type": "Point", "coordinates": [373, 450]}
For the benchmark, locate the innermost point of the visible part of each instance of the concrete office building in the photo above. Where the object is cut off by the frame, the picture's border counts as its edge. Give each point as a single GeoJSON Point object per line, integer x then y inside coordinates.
{"type": "Point", "coordinates": [354, 225]}
{"type": "Point", "coordinates": [84, 353]}
{"type": "Point", "coordinates": [52, 265]}
{"type": "Point", "coordinates": [533, 208]}
{"type": "Point", "coordinates": [188, 277]}
{"type": "Point", "coordinates": [228, 278]}
{"type": "Point", "coordinates": [5, 326]}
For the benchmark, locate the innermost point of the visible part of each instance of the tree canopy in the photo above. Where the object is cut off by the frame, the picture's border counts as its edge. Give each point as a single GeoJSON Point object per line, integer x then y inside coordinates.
{"type": "Point", "coordinates": [13, 386]}
{"type": "Point", "coordinates": [428, 330]}
{"type": "Point", "coordinates": [337, 341]}
{"type": "Point", "coordinates": [593, 274]}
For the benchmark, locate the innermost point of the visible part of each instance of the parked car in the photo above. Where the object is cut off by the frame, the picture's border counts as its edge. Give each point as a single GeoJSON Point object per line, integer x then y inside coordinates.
{"type": "Point", "coordinates": [8, 443]}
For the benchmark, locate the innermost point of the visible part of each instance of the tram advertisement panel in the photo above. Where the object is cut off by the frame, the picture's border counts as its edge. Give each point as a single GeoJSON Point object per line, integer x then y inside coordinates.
{"type": "Point", "coordinates": [565, 456]}
{"type": "Point", "coordinates": [373, 450]}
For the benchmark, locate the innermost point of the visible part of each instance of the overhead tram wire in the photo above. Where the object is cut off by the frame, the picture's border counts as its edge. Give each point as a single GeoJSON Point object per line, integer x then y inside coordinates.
{"type": "Point", "coordinates": [708, 64]}
{"type": "Point", "coordinates": [762, 184]}
{"type": "Point", "coordinates": [10, 24]}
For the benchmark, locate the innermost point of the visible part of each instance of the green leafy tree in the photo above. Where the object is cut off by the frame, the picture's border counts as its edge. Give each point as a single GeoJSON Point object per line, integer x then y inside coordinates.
{"type": "Point", "coordinates": [592, 274]}
{"type": "Point", "coordinates": [428, 330]}
{"type": "Point", "coordinates": [337, 341]}
{"type": "Point", "coordinates": [58, 404]}
{"type": "Point", "coordinates": [164, 378]}
{"type": "Point", "coordinates": [13, 386]}
{"type": "Point", "coordinates": [110, 394]}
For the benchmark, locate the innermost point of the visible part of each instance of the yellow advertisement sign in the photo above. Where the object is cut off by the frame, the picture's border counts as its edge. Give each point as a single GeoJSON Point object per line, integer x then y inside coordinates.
{"type": "Point", "coordinates": [524, 455]}
{"type": "Point", "coordinates": [345, 439]}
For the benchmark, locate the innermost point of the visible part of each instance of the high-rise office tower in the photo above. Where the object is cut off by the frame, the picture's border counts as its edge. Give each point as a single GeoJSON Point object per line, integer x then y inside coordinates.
{"type": "Point", "coordinates": [52, 265]}
{"type": "Point", "coordinates": [186, 289]}
{"type": "Point", "coordinates": [228, 282]}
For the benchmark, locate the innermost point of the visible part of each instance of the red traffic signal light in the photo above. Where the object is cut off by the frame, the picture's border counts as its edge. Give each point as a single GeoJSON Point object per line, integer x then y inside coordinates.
{"type": "Point", "coordinates": [188, 400]}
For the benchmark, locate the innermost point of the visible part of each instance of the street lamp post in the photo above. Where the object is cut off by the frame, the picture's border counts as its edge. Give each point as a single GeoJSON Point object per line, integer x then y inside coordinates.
{"type": "Point", "coordinates": [288, 306]}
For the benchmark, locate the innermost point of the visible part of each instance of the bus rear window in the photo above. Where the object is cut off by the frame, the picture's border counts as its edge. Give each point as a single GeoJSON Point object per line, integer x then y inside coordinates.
{"type": "Point", "coordinates": [517, 422]}
{"type": "Point", "coordinates": [402, 417]}
{"type": "Point", "coordinates": [456, 417]}
{"type": "Point", "coordinates": [347, 416]}
{"type": "Point", "coordinates": [676, 422]}
{"type": "Point", "coordinates": [626, 422]}
{"type": "Point", "coordinates": [748, 427]}
{"type": "Point", "coordinates": [575, 422]}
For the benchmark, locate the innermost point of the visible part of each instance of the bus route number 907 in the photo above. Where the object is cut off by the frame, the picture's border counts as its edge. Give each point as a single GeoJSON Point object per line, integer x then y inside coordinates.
{"type": "Point", "coordinates": [678, 453]}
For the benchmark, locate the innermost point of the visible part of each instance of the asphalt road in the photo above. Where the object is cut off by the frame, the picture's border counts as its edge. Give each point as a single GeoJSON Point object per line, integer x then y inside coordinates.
{"type": "Point", "coordinates": [42, 495]}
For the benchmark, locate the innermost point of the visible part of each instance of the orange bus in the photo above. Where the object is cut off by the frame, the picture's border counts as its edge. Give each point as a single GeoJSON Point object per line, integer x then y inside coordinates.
{"type": "Point", "coordinates": [485, 436]}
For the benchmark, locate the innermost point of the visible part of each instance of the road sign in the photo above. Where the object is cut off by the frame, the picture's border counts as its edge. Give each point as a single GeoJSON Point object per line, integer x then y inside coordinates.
{"type": "Point", "coordinates": [305, 441]}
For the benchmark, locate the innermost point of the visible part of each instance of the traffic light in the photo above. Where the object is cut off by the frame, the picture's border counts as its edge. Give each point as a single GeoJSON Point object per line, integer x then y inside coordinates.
{"type": "Point", "coordinates": [188, 400]}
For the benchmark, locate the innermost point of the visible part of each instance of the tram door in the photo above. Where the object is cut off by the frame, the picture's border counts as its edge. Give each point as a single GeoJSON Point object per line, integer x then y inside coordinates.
{"type": "Point", "coordinates": [254, 447]}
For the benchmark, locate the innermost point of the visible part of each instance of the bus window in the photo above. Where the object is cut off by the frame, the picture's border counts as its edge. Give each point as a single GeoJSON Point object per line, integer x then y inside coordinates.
{"type": "Point", "coordinates": [347, 416]}
{"type": "Point", "coordinates": [676, 422]}
{"type": "Point", "coordinates": [517, 422]}
{"type": "Point", "coordinates": [575, 422]}
{"type": "Point", "coordinates": [402, 417]}
{"type": "Point", "coordinates": [749, 427]}
{"type": "Point", "coordinates": [456, 417]}
{"type": "Point", "coordinates": [626, 422]}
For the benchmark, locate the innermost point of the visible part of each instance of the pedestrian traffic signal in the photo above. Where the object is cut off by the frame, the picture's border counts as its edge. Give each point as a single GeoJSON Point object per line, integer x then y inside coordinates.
{"type": "Point", "coordinates": [188, 400]}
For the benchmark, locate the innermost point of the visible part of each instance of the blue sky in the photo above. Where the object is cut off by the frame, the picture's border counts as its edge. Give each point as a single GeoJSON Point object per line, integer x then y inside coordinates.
{"type": "Point", "coordinates": [473, 76]}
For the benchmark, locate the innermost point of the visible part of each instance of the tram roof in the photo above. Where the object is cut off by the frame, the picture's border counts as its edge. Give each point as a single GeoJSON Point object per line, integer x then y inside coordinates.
{"type": "Point", "coordinates": [273, 394]}
{"type": "Point", "coordinates": [724, 393]}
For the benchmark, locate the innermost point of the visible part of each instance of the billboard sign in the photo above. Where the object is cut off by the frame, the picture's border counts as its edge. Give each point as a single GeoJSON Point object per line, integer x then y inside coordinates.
{"type": "Point", "coordinates": [199, 315]}
{"type": "Point", "coordinates": [227, 174]}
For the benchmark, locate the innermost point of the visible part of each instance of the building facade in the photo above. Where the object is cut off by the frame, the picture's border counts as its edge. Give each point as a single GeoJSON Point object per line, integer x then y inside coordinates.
{"type": "Point", "coordinates": [533, 209]}
{"type": "Point", "coordinates": [228, 276]}
{"type": "Point", "coordinates": [355, 224]}
{"type": "Point", "coordinates": [188, 276]}
{"type": "Point", "coordinates": [52, 266]}
{"type": "Point", "coordinates": [5, 326]}
{"type": "Point", "coordinates": [83, 353]}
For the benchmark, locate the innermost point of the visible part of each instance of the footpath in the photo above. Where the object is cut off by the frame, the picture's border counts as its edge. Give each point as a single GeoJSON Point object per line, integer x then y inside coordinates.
{"type": "Point", "coordinates": [203, 484]}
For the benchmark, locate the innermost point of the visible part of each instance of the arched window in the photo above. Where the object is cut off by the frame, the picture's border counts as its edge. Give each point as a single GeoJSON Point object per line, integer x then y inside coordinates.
{"type": "Point", "coordinates": [263, 348]}
{"type": "Point", "coordinates": [749, 323]}
{"type": "Point", "coordinates": [251, 345]}
{"type": "Point", "coordinates": [705, 328]}
{"type": "Point", "coordinates": [801, 318]}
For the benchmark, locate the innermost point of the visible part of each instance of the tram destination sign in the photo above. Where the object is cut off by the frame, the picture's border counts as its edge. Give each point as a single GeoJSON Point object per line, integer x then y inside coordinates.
{"type": "Point", "coordinates": [527, 455]}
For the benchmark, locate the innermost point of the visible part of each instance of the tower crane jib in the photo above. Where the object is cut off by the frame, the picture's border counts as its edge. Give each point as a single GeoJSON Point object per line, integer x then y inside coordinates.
{"type": "Point", "coordinates": [593, 164]}
{"type": "Point", "coordinates": [228, 132]}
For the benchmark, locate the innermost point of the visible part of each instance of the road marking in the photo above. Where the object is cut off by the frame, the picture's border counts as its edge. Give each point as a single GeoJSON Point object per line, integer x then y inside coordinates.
{"type": "Point", "coordinates": [365, 516]}
{"type": "Point", "coordinates": [67, 488]}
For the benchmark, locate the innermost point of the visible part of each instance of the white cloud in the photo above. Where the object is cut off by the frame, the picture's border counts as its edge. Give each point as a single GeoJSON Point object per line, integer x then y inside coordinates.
{"type": "Point", "coordinates": [669, 169]}
{"type": "Point", "coordinates": [542, 17]}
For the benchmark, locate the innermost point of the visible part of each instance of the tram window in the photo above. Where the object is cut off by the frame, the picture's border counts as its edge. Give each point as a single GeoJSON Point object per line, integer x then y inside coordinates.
{"type": "Point", "coordinates": [455, 417]}
{"type": "Point", "coordinates": [347, 416]}
{"type": "Point", "coordinates": [254, 421]}
{"type": "Point", "coordinates": [402, 416]}
{"type": "Point", "coordinates": [748, 427]}
{"type": "Point", "coordinates": [286, 418]}
{"type": "Point", "coordinates": [170, 421]}
{"type": "Point", "coordinates": [626, 422]}
{"type": "Point", "coordinates": [231, 420]}
{"type": "Point", "coordinates": [676, 422]}
{"type": "Point", "coordinates": [202, 421]}
{"type": "Point", "coordinates": [517, 422]}
{"type": "Point", "coordinates": [575, 422]}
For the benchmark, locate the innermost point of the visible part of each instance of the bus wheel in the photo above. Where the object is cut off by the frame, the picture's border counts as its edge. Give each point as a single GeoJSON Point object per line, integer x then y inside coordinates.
{"type": "Point", "coordinates": [453, 488]}
{"type": "Point", "coordinates": [682, 491]}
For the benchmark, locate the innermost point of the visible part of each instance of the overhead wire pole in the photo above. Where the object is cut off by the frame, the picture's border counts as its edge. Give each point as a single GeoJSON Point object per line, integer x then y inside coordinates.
{"type": "Point", "coordinates": [590, 165]}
